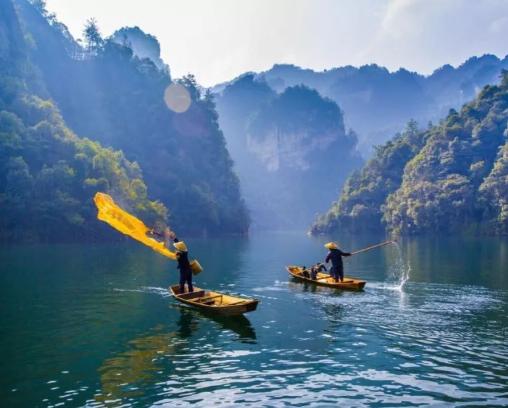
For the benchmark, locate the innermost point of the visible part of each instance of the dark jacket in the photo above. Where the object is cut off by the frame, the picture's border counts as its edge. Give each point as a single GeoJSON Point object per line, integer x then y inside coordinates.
{"type": "Point", "coordinates": [335, 256]}
{"type": "Point", "coordinates": [182, 258]}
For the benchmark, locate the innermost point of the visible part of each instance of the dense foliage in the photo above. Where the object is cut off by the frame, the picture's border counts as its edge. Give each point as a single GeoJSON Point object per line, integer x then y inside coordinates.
{"type": "Point", "coordinates": [48, 175]}
{"type": "Point", "coordinates": [494, 194]}
{"type": "Point", "coordinates": [358, 208]}
{"type": "Point", "coordinates": [449, 178]}
{"type": "Point", "coordinates": [108, 93]}
{"type": "Point", "coordinates": [286, 147]}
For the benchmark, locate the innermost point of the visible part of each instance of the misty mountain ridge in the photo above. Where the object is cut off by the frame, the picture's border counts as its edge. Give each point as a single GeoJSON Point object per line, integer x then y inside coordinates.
{"type": "Point", "coordinates": [378, 103]}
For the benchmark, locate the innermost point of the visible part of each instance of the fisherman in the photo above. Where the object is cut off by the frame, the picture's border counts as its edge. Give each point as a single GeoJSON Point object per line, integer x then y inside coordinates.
{"type": "Point", "coordinates": [335, 256]}
{"type": "Point", "coordinates": [182, 257]}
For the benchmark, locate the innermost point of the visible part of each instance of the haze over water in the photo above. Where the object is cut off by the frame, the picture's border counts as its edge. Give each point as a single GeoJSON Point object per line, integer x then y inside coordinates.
{"type": "Point", "coordinates": [93, 325]}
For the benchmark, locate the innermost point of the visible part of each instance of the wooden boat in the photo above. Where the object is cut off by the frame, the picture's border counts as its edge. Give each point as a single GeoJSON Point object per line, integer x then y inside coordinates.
{"type": "Point", "coordinates": [214, 302]}
{"type": "Point", "coordinates": [324, 279]}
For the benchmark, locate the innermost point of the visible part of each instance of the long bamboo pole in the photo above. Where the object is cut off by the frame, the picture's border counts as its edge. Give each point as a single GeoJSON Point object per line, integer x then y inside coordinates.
{"type": "Point", "coordinates": [372, 247]}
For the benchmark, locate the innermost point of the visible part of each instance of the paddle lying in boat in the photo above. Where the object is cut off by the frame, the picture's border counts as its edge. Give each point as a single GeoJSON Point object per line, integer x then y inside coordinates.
{"type": "Point", "coordinates": [324, 279]}
{"type": "Point", "coordinates": [218, 303]}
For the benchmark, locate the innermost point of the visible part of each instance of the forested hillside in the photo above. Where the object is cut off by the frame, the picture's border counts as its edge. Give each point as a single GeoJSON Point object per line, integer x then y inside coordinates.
{"type": "Point", "coordinates": [452, 177]}
{"type": "Point", "coordinates": [48, 175]}
{"type": "Point", "coordinates": [291, 150]}
{"type": "Point", "coordinates": [378, 103]}
{"type": "Point", "coordinates": [112, 94]}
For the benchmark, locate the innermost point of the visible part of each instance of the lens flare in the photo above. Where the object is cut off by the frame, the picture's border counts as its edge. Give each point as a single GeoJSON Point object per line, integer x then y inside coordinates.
{"type": "Point", "coordinates": [177, 98]}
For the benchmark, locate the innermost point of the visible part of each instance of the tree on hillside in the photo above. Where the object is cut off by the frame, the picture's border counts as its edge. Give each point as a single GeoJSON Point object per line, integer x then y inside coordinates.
{"type": "Point", "coordinates": [93, 38]}
{"type": "Point", "coordinates": [189, 82]}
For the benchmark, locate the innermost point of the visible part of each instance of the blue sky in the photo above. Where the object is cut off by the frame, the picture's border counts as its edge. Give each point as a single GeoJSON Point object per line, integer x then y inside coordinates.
{"type": "Point", "coordinates": [219, 39]}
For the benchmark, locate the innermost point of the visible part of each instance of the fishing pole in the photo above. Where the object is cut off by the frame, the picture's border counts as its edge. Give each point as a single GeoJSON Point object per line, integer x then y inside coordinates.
{"type": "Point", "coordinates": [372, 247]}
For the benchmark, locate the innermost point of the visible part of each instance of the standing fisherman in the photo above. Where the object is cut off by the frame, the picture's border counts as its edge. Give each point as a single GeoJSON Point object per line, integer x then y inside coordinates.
{"type": "Point", "coordinates": [182, 257]}
{"type": "Point", "coordinates": [335, 256]}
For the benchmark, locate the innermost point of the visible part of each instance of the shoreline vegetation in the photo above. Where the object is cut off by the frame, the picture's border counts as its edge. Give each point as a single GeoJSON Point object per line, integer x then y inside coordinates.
{"type": "Point", "coordinates": [450, 178]}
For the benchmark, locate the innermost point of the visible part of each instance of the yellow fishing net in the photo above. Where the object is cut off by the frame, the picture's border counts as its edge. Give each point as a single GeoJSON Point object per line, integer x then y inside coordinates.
{"type": "Point", "coordinates": [127, 224]}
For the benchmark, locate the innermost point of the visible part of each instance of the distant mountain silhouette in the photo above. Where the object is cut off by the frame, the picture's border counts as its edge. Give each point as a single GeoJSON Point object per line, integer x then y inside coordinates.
{"type": "Point", "coordinates": [378, 103]}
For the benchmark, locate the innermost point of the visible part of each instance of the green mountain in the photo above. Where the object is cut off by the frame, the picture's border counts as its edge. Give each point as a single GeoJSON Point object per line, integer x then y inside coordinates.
{"type": "Point", "coordinates": [48, 175]}
{"type": "Point", "coordinates": [452, 177]}
{"type": "Point", "coordinates": [111, 93]}
{"type": "Point", "coordinates": [285, 147]}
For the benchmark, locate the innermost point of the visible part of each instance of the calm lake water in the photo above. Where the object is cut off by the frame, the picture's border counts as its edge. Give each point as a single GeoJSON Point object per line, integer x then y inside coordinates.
{"type": "Point", "coordinates": [93, 325]}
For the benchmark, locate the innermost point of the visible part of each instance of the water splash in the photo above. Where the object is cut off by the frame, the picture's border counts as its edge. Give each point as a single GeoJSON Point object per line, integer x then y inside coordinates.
{"type": "Point", "coordinates": [400, 271]}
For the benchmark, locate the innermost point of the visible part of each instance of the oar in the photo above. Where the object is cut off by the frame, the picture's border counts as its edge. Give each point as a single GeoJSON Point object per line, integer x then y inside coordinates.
{"type": "Point", "coordinates": [372, 247]}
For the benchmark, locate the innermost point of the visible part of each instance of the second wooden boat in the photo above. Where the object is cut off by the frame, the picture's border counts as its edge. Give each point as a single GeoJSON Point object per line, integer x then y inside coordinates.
{"type": "Point", "coordinates": [214, 302]}
{"type": "Point", "coordinates": [324, 279]}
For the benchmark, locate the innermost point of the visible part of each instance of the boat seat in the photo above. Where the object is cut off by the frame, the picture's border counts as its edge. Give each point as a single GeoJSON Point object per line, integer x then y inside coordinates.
{"type": "Point", "coordinates": [208, 298]}
{"type": "Point", "coordinates": [192, 295]}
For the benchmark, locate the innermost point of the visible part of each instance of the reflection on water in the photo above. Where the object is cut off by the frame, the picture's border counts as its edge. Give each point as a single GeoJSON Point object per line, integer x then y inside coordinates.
{"type": "Point", "coordinates": [130, 374]}
{"type": "Point", "coordinates": [94, 326]}
{"type": "Point", "coordinates": [240, 325]}
{"type": "Point", "coordinates": [475, 261]}
{"type": "Point", "coordinates": [133, 373]}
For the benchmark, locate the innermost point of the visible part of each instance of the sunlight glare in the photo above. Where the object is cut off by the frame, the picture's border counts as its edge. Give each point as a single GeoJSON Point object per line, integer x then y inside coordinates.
{"type": "Point", "coordinates": [177, 98]}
